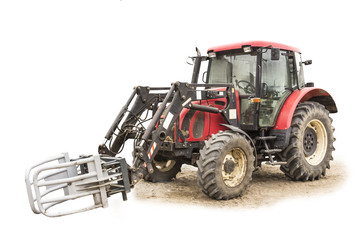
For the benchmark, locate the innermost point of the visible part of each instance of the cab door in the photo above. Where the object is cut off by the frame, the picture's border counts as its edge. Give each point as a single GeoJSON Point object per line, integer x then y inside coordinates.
{"type": "Point", "coordinates": [242, 70]}
{"type": "Point", "coordinates": [244, 78]}
{"type": "Point", "coordinates": [277, 82]}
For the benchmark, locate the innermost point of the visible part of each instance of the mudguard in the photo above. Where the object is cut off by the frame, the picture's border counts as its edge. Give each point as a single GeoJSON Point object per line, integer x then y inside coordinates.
{"type": "Point", "coordinates": [305, 94]}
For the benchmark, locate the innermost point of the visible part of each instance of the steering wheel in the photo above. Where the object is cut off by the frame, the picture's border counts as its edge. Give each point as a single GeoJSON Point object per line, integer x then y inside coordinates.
{"type": "Point", "coordinates": [248, 88]}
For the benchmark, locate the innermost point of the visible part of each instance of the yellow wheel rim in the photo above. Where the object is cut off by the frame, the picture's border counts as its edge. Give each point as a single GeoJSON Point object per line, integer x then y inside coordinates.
{"type": "Point", "coordinates": [321, 142]}
{"type": "Point", "coordinates": [234, 167]}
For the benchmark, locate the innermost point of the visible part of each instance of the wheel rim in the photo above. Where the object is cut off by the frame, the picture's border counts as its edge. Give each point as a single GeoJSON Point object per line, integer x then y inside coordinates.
{"type": "Point", "coordinates": [165, 165]}
{"type": "Point", "coordinates": [315, 142]}
{"type": "Point", "coordinates": [310, 141]}
{"type": "Point", "coordinates": [234, 167]}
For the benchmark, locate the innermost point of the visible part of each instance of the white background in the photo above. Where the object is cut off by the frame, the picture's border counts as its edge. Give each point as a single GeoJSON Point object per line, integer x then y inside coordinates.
{"type": "Point", "coordinates": [67, 67]}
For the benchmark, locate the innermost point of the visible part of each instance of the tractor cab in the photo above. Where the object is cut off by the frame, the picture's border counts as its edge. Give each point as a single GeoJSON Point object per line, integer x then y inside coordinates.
{"type": "Point", "coordinates": [263, 73]}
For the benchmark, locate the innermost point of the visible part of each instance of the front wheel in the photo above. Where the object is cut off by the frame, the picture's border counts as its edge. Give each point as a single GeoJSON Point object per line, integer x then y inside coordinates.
{"type": "Point", "coordinates": [225, 165]}
{"type": "Point", "coordinates": [311, 143]}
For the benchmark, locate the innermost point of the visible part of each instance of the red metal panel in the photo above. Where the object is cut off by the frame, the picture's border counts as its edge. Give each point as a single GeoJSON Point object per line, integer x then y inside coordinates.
{"type": "Point", "coordinates": [253, 44]}
{"type": "Point", "coordinates": [212, 120]}
{"type": "Point", "coordinates": [216, 118]}
{"type": "Point", "coordinates": [284, 119]}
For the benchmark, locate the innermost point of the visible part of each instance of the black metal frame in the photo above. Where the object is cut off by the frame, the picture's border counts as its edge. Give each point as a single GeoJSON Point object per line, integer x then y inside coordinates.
{"type": "Point", "coordinates": [181, 95]}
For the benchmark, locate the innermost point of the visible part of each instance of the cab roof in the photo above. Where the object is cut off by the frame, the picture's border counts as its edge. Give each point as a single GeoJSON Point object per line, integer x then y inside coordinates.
{"type": "Point", "coordinates": [253, 44]}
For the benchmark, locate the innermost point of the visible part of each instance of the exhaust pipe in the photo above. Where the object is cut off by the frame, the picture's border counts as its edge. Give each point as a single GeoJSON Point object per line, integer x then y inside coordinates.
{"type": "Point", "coordinates": [197, 65]}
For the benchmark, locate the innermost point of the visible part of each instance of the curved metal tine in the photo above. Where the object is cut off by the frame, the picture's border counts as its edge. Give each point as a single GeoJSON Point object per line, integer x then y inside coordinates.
{"type": "Point", "coordinates": [54, 201]}
{"type": "Point", "coordinates": [30, 195]}
{"type": "Point", "coordinates": [64, 180]}
{"type": "Point", "coordinates": [69, 197]}
{"type": "Point", "coordinates": [112, 169]}
{"type": "Point", "coordinates": [51, 174]}
{"type": "Point", "coordinates": [67, 164]}
{"type": "Point", "coordinates": [115, 191]}
{"type": "Point", "coordinates": [62, 165]}
{"type": "Point", "coordinates": [64, 199]}
{"type": "Point", "coordinates": [29, 183]}
{"type": "Point", "coordinates": [53, 189]}
{"type": "Point", "coordinates": [52, 204]}
{"type": "Point", "coordinates": [101, 179]}
{"type": "Point", "coordinates": [59, 214]}
{"type": "Point", "coordinates": [99, 185]}
{"type": "Point", "coordinates": [47, 160]}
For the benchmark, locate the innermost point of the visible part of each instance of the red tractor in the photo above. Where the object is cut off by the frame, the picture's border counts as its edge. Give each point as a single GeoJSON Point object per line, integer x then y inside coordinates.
{"type": "Point", "coordinates": [254, 107]}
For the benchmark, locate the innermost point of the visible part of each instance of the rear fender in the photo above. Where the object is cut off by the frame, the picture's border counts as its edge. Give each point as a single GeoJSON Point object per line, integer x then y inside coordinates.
{"type": "Point", "coordinates": [298, 96]}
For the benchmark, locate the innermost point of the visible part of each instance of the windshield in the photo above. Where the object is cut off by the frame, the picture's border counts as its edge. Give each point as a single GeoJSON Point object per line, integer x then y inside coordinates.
{"type": "Point", "coordinates": [239, 69]}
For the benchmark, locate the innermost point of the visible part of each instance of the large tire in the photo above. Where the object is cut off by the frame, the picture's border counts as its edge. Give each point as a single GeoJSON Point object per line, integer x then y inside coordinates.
{"type": "Point", "coordinates": [164, 170]}
{"type": "Point", "coordinates": [311, 143]}
{"type": "Point", "coordinates": [225, 165]}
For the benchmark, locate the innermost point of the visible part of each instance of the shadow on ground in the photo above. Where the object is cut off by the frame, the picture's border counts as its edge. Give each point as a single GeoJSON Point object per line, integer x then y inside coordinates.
{"type": "Point", "coordinates": [269, 186]}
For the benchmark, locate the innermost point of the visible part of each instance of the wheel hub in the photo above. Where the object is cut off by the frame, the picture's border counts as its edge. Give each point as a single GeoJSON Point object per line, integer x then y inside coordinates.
{"type": "Point", "coordinates": [310, 141]}
{"type": "Point", "coordinates": [229, 166]}
{"type": "Point", "coordinates": [234, 167]}
{"type": "Point", "coordinates": [315, 142]}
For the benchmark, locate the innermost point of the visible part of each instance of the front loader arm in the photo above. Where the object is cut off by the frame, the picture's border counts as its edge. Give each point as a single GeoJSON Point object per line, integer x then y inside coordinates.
{"type": "Point", "coordinates": [147, 141]}
{"type": "Point", "coordinates": [129, 119]}
{"type": "Point", "coordinates": [181, 95]}
{"type": "Point", "coordinates": [145, 154]}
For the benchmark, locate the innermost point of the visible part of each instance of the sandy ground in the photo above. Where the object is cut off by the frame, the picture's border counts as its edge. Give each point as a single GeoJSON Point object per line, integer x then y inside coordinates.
{"type": "Point", "coordinates": [268, 186]}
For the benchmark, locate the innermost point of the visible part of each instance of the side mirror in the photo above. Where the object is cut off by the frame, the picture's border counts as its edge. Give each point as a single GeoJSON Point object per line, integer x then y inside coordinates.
{"type": "Point", "coordinates": [308, 62]}
{"type": "Point", "coordinates": [190, 61]}
{"type": "Point", "coordinates": [275, 54]}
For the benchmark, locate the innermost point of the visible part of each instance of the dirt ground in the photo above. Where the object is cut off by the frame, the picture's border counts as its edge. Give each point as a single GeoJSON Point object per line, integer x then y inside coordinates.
{"type": "Point", "coordinates": [268, 186]}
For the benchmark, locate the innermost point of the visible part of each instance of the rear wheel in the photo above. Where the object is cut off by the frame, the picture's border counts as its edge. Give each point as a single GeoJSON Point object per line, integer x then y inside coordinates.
{"type": "Point", "coordinates": [225, 165]}
{"type": "Point", "coordinates": [164, 169]}
{"type": "Point", "coordinates": [311, 143]}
